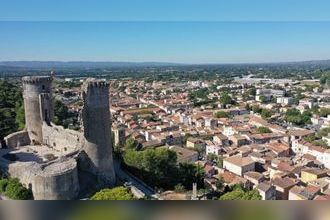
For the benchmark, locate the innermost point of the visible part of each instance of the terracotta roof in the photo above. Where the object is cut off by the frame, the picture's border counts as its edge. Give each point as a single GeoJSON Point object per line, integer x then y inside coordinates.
{"type": "Point", "coordinates": [278, 147]}
{"type": "Point", "coordinates": [309, 157]}
{"type": "Point", "coordinates": [239, 161]}
{"type": "Point", "coordinates": [322, 197]}
{"type": "Point", "coordinates": [264, 186]}
{"type": "Point", "coordinates": [299, 132]}
{"type": "Point", "coordinates": [285, 182]}
{"type": "Point", "coordinates": [232, 178]}
{"type": "Point", "coordinates": [284, 166]}
{"type": "Point", "coordinates": [315, 171]}
{"type": "Point", "coordinates": [254, 175]}
{"type": "Point", "coordinates": [222, 136]}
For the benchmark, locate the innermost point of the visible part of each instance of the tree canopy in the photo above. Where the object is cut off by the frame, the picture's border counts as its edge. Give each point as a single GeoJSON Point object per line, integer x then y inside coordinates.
{"type": "Point", "coordinates": [158, 167]}
{"type": "Point", "coordinates": [221, 114]}
{"type": "Point", "coordinates": [240, 194]}
{"type": "Point", "coordinates": [226, 99]}
{"type": "Point", "coordinates": [117, 193]}
{"type": "Point", "coordinates": [294, 116]}
{"type": "Point", "coordinates": [264, 130]}
{"type": "Point", "coordinates": [13, 189]}
{"type": "Point", "coordinates": [11, 109]}
{"type": "Point", "coordinates": [62, 115]}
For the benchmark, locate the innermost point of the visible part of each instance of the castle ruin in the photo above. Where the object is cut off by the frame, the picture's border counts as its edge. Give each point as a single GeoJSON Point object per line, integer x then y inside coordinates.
{"type": "Point", "coordinates": [57, 163]}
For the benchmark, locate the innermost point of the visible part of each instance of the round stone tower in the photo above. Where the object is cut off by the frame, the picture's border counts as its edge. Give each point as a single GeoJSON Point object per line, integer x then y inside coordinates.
{"type": "Point", "coordinates": [97, 128]}
{"type": "Point", "coordinates": [37, 94]}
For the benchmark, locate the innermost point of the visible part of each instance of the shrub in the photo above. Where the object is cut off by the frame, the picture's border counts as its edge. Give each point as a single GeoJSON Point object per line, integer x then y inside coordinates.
{"type": "Point", "coordinates": [179, 188]}
{"type": "Point", "coordinates": [3, 185]}
{"type": "Point", "coordinates": [264, 130]}
{"type": "Point", "coordinates": [15, 190]}
{"type": "Point", "coordinates": [221, 114]}
{"type": "Point", "coordinates": [117, 193]}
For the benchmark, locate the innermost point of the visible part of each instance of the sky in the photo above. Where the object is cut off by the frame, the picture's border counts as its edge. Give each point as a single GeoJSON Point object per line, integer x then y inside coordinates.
{"type": "Point", "coordinates": [182, 31]}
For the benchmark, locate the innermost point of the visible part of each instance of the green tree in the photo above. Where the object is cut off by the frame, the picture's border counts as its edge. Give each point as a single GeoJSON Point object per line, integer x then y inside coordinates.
{"type": "Point", "coordinates": [3, 185]}
{"type": "Point", "coordinates": [226, 99]}
{"type": "Point", "coordinates": [215, 158]}
{"type": "Point", "coordinates": [20, 117]}
{"type": "Point", "coordinates": [266, 113]}
{"type": "Point", "coordinates": [179, 188]}
{"type": "Point", "coordinates": [221, 114]}
{"type": "Point", "coordinates": [262, 99]}
{"type": "Point", "coordinates": [264, 130]}
{"type": "Point", "coordinates": [61, 114]}
{"type": "Point", "coordinates": [117, 193]}
{"type": "Point", "coordinates": [324, 112]}
{"type": "Point", "coordinates": [324, 132]}
{"type": "Point", "coordinates": [15, 190]}
{"type": "Point", "coordinates": [220, 184]}
{"type": "Point", "coordinates": [190, 173]}
{"type": "Point", "coordinates": [11, 102]}
{"type": "Point", "coordinates": [256, 109]}
{"type": "Point", "coordinates": [131, 143]}
{"type": "Point", "coordinates": [294, 116]}
{"type": "Point", "coordinates": [240, 194]}
{"type": "Point", "coordinates": [157, 167]}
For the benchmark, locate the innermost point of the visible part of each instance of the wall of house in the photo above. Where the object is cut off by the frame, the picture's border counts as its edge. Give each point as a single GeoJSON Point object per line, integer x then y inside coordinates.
{"type": "Point", "coordinates": [232, 168]}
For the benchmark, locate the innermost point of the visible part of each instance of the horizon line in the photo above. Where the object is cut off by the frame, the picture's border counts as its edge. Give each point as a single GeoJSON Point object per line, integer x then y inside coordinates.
{"type": "Point", "coordinates": [167, 62]}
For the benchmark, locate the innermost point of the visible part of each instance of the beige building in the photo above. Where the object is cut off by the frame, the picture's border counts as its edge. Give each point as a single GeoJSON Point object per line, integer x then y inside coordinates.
{"type": "Point", "coordinates": [266, 191]}
{"type": "Point", "coordinates": [239, 165]}
{"type": "Point", "coordinates": [283, 185]}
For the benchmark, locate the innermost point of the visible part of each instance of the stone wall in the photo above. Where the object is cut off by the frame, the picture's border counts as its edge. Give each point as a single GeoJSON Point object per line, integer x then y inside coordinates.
{"type": "Point", "coordinates": [54, 181]}
{"type": "Point", "coordinates": [33, 87]}
{"type": "Point", "coordinates": [62, 140]}
{"type": "Point", "coordinates": [58, 181]}
{"type": "Point", "coordinates": [17, 139]}
{"type": "Point", "coordinates": [97, 127]}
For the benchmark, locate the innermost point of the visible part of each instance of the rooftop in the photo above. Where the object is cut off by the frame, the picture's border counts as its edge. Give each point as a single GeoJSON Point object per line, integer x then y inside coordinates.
{"type": "Point", "coordinates": [239, 161]}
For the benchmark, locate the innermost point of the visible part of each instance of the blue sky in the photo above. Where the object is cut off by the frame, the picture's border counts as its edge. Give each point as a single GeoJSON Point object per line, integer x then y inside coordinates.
{"type": "Point", "coordinates": [194, 31]}
{"type": "Point", "coordinates": [165, 10]}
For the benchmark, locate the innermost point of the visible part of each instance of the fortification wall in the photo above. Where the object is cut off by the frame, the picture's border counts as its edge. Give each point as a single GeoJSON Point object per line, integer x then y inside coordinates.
{"type": "Point", "coordinates": [55, 181]}
{"type": "Point", "coordinates": [58, 181]}
{"type": "Point", "coordinates": [61, 139]}
{"type": "Point", "coordinates": [17, 139]}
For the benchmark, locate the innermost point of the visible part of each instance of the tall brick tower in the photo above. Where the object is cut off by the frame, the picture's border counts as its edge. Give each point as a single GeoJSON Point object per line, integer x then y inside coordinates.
{"type": "Point", "coordinates": [97, 128]}
{"type": "Point", "coordinates": [37, 94]}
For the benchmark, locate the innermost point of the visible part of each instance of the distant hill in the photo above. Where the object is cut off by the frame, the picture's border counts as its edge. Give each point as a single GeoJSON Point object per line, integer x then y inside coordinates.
{"type": "Point", "coordinates": [78, 64]}
{"type": "Point", "coordinates": [32, 67]}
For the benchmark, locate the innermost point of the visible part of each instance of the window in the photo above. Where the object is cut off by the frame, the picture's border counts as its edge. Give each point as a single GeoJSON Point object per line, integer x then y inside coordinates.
{"type": "Point", "coordinates": [43, 87]}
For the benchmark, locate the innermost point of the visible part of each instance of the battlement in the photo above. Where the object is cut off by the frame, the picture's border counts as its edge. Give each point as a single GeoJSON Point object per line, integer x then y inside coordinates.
{"type": "Point", "coordinates": [45, 96]}
{"type": "Point", "coordinates": [36, 79]}
{"type": "Point", "coordinates": [93, 83]}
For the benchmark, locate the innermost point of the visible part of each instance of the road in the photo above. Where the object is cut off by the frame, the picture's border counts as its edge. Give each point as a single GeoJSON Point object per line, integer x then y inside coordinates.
{"type": "Point", "coordinates": [138, 187]}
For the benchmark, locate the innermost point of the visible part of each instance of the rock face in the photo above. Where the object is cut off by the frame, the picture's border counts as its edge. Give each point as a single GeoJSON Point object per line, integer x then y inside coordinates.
{"type": "Point", "coordinates": [53, 161]}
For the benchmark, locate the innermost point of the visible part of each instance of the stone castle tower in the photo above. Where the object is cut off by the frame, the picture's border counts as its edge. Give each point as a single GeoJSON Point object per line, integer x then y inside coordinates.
{"type": "Point", "coordinates": [97, 128]}
{"type": "Point", "coordinates": [70, 163]}
{"type": "Point", "coordinates": [37, 93]}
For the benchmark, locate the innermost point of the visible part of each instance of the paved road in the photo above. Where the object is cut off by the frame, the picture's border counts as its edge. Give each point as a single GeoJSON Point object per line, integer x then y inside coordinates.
{"type": "Point", "coordinates": [138, 187]}
{"type": "Point", "coordinates": [3, 197]}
